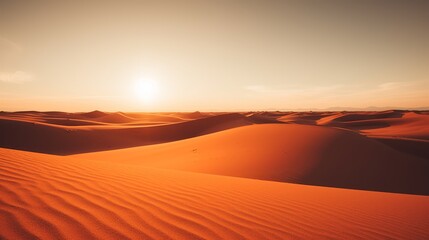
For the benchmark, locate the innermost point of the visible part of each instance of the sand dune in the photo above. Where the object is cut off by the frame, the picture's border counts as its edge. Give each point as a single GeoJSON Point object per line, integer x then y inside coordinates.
{"type": "Point", "coordinates": [155, 117]}
{"type": "Point", "coordinates": [50, 197]}
{"type": "Point", "coordinates": [96, 118]}
{"type": "Point", "coordinates": [56, 118]}
{"type": "Point", "coordinates": [189, 175]}
{"type": "Point", "coordinates": [310, 118]}
{"type": "Point", "coordinates": [287, 153]}
{"type": "Point", "coordinates": [193, 115]}
{"type": "Point", "coordinates": [69, 122]}
{"type": "Point", "coordinates": [358, 116]}
{"type": "Point", "coordinates": [170, 116]}
{"type": "Point", "coordinates": [93, 114]}
{"type": "Point", "coordinates": [387, 124]}
{"type": "Point", "coordinates": [414, 147]}
{"type": "Point", "coordinates": [396, 129]}
{"type": "Point", "coordinates": [411, 125]}
{"type": "Point", "coordinates": [263, 117]}
{"type": "Point", "coordinates": [407, 132]}
{"type": "Point", "coordinates": [62, 140]}
{"type": "Point", "coordinates": [115, 118]}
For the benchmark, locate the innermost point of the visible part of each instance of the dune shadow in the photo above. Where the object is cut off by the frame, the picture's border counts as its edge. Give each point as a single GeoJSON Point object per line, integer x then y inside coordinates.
{"type": "Point", "coordinates": [36, 137]}
{"type": "Point", "coordinates": [419, 148]}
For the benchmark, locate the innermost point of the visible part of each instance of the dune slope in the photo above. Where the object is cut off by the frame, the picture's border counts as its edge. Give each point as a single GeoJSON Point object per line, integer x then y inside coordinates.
{"type": "Point", "coordinates": [288, 153]}
{"type": "Point", "coordinates": [53, 197]}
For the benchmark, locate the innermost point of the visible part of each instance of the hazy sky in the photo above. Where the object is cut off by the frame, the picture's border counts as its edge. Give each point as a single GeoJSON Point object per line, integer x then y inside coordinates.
{"type": "Point", "coordinates": [212, 55]}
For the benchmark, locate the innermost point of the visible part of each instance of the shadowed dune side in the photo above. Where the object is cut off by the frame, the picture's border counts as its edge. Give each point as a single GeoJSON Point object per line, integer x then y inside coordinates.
{"type": "Point", "coordinates": [94, 118]}
{"type": "Point", "coordinates": [384, 124]}
{"type": "Point", "coordinates": [411, 125]}
{"type": "Point", "coordinates": [68, 122]}
{"type": "Point", "coordinates": [264, 117]}
{"type": "Point", "coordinates": [361, 125]}
{"type": "Point", "coordinates": [51, 197]}
{"type": "Point", "coordinates": [33, 117]}
{"type": "Point", "coordinates": [56, 118]}
{"type": "Point", "coordinates": [155, 117]}
{"type": "Point", "coordinates": [404, 131]}
{"type": "Point", "coordinates": [61, 140]}
{"type": "Point", "coordinates": [194, 115]}
{"type": "Point", "coordinates": [308, 118]}
{"type": "Point", "coordinates": [288, 153]}
{"type": "Point", "coordinates": [93, 114]}
{"type": "Point", "coordinates": [115, 118]}
{"type": "Point", "coordinates": [416, 147]}
{"type": "Point", "coordinates": [101, 117]}
{"type": "Point", "coordinates": [358, 116]}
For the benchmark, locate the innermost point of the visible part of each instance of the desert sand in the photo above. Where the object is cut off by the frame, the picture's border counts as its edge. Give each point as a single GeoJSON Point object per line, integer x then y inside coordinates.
{"type": "Point", "coordinates": [253, 175]}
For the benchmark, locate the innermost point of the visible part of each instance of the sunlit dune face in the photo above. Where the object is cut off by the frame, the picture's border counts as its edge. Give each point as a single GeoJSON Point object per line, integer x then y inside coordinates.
{"type": "Point", "coordinates": [147, 90]}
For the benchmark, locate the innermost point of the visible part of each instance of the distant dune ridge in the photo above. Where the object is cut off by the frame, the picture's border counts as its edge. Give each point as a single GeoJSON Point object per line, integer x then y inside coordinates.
{"type": "Point", "coordinates": [63, 140]}
{"type": "Point", "coordinates": [214, 175]}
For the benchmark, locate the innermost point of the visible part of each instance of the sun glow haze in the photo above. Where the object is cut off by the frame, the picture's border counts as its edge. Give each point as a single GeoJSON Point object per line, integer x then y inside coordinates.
{"type": "Point", "coordinates": [147, 90]}
{"type": "Point", "coordinates": [213, 55]}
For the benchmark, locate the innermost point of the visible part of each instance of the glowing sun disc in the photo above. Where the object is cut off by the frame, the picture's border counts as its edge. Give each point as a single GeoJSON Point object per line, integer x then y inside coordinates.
{"type": "Point", "coordinates": [147, 90]}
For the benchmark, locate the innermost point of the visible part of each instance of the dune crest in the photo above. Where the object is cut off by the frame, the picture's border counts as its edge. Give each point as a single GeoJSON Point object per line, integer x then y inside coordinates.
{"type": "Point", "coordinates": [287, 153]}
{"type": "Point", "coordinates": [93, 114]}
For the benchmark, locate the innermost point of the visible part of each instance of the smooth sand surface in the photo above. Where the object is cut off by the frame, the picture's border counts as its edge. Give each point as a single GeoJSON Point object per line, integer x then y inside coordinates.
{"type": "Point", "coordinates": [288, 153]}
{"type": "Point", "coordinates": [214, 175]}
{"type": "Point", "coordinates": [52, 197]}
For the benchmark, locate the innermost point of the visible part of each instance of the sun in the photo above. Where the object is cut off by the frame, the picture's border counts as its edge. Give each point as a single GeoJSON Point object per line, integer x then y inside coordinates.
{"type": "Point", "coordinates": [147, 90]}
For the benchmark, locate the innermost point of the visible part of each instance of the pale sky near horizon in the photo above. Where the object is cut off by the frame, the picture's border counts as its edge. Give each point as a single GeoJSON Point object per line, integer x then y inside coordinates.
{"type": "Point", "coordinates": [212, 55]}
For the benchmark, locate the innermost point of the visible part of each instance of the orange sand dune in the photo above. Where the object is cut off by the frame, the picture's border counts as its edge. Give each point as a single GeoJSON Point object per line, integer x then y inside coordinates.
{"type": "Point", "coordinates": [263, 117]}
{"type": "Point", "coordinates": [155, 117]}
{"type": "Point", "coordinates": [93, 114]}
{"type": "Point", "coordinates": [115, 118]}
{"type": "Point", "coordinates": [357, 116]}
{"type": "Point", "coordinates": [56, 118]}
{"type": "Point", "coordinates": [289, 153]}
{"type": "Point", "coordinates": [34, 136]}
{"type": "Point", "coordinates": [95, 118]}
{"type": "Point", "coordinates": [407, 132]}
{"type": "Point", "coordinates": [304, 117]}
{"type": "Point", "coordinates": [411, 125]}
{"type": "Point", "coordinates": [387, 124]}
{"type": "Point", "coordinates": [170, 116]}
{"type": "Point", "coordinates": [66, 121]}
{"type": "Point", "coordinates": [401, 130]}
{"type": "Point", "coordinates": [193, 115]}
{"type": "Point", "coordinates": [51, 197]}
